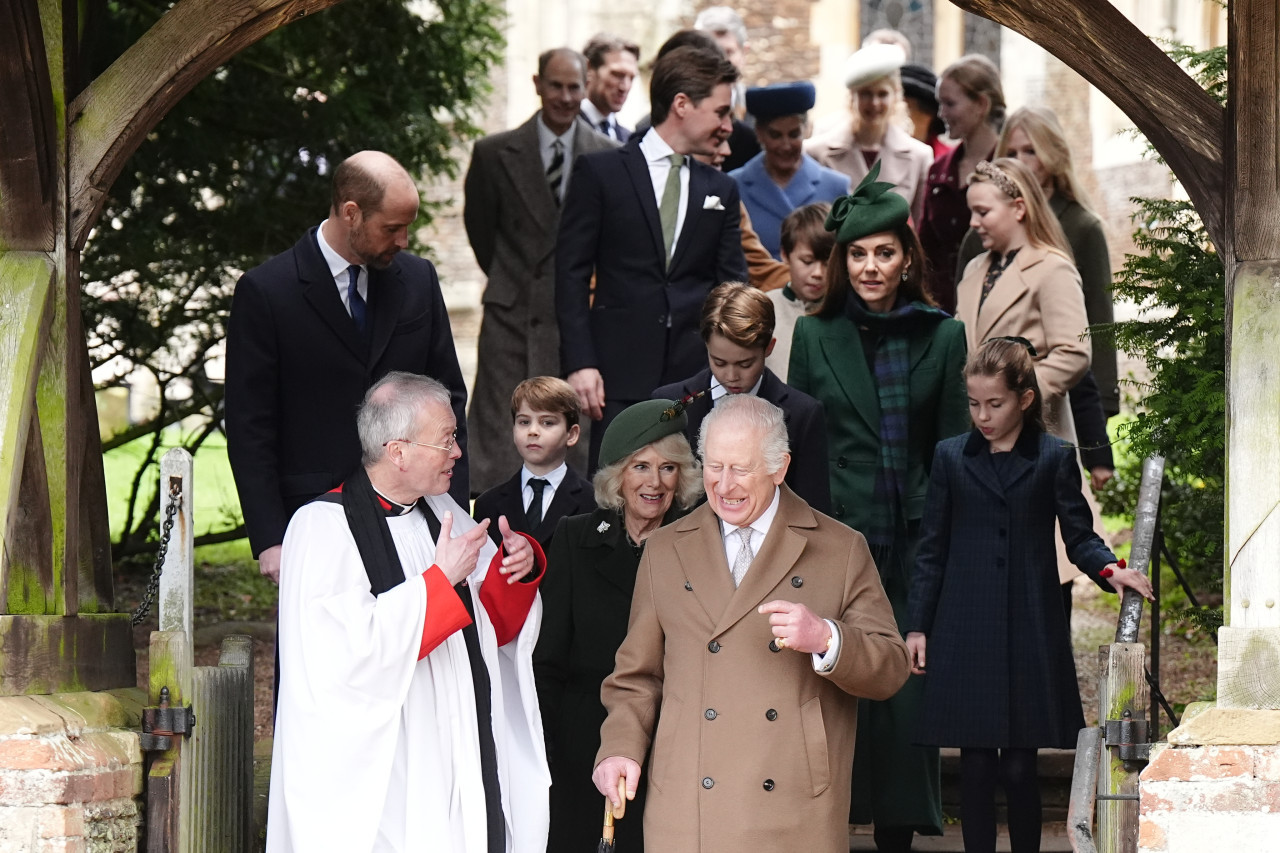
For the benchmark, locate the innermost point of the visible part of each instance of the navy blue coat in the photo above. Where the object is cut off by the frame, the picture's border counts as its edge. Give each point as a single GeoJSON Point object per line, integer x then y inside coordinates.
{"type": "Point", "coordinates": [1000, 672]}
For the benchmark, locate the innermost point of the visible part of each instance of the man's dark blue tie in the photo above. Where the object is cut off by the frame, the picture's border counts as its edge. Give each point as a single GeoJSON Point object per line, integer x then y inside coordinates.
{"type": "Point", "coordinates": [355, 301]}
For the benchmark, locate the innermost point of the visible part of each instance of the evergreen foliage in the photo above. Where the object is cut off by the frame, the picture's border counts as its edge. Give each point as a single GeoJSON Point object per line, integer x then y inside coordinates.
{"type": "Point", "coordinates": [237, 172]}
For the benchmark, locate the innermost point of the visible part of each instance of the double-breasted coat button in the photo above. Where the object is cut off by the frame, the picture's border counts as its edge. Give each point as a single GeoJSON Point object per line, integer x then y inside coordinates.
{"type": "Point", "coordinates": [688, 586]}
{"type": "Point", "coordinates": [713, 647]}
{"type": "Point", "coordinates": [708, 782]}
{"type": "Point", "coordinates": [710, 713]}
{"type": "Point", "coordinates": [768, 784]}
{"type": "Point", "coordinates": [797, 581]}
{"type": "Point", "coordinates": [771, 715]}
{"type": "Point", "coordinates": [842, 462]}
{"type": "Point", "coordinates": [774, 647]}
{"type": "Point", "coordinates": [840, 509]}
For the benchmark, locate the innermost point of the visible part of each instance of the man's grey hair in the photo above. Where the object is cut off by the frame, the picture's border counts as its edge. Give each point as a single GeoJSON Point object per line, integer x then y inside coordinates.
{"type": "Point", "coordinates": [750, 411]}
{"type": "Point", "coordinates": [722, 19]}
{"type": "Point", "coordinates": [390, 411]}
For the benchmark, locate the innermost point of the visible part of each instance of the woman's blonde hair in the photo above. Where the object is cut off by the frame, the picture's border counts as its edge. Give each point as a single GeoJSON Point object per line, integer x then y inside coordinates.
{"type": "Point", "coordinates": [607, 482]}
{"type": "Point", "coordinates": [979, 77]}
{"type": "Point", "coordinates": [1015, 181]}
{"type": "Point", "coordinates": [1042, 128]}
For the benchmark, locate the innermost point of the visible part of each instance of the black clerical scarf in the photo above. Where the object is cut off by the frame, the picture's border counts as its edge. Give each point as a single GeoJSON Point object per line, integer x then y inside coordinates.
{"type": "Point", "coordinates": [367, 513]}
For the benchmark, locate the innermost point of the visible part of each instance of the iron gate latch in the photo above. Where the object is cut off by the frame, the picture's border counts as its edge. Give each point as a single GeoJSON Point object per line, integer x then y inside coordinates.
{"type": "Point", "coordinates": [161, 723]}
{"type": "Point", "coordinates": [1129, 736]}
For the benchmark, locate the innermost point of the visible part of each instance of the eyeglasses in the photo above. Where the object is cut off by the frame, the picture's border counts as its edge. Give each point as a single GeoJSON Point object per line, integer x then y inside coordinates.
{"type": "Point", "coordinates": [447, 448]}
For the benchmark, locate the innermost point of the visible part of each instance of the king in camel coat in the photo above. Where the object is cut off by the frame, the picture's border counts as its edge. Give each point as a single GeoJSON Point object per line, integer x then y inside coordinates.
{"type": "Point", "coordinates": [753, 748]}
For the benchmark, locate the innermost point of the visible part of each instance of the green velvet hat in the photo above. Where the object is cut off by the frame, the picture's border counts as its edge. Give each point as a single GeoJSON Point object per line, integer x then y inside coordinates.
{"type": "Point", "coordinates": [869, 209]}
{"type": "Point", "coordinates": [639, 425]}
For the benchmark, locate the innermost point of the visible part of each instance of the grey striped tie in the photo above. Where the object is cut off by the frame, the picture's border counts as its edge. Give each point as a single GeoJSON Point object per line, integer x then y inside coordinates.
{"type": "Point", "coordinates": [742, 561]}
{"type": "Point", "coordinates": [555, 172]}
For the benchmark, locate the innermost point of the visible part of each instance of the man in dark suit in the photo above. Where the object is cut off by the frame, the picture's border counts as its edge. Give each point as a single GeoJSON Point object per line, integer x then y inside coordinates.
{"type": "Point", "coordinates": [311, 330]}
{"type": "Point", "coordinates": [737, 327]}
{"type": "Point", "coordinates": [513, 192]}
{"type": "Point", "coordinates": [612, 65]}
{"type": "Point", "coordinates": [658, 230]}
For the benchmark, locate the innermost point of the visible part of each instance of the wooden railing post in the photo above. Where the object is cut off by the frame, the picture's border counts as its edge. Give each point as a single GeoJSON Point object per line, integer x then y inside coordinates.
{"type": "Point", "coordinates": [177, 583]}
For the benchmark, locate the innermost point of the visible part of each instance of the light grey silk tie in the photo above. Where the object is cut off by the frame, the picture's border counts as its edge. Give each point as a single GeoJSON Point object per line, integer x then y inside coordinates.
{"type": "Point", "coordinates": [669, 210]}
{"type": "Point", "coordinates": [742, 561]}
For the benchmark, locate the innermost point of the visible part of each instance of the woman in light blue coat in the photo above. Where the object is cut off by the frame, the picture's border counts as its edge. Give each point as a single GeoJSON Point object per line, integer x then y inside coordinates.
{"type": "Point", "coordinates": [782, 177]}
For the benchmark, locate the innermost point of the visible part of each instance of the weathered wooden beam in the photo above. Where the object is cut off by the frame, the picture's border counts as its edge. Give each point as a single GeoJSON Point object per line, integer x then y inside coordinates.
{"type": "Point", "coordinates": [1170, 108]}
{"type": "Point", "coordinates": [221, 751]}
{"type": "Point", "coordinates": [28, 136]}
{"type": "Point", "coordinates": [1122, 688]}
{"type": "Point", "coordinates": [1253, 73]}
{"type": "Point", "coordinates": [110, 118]}
{"type": "Point", "coordinates": [56, 654]}
{"type": "Point", "coordinates": [178, 580]}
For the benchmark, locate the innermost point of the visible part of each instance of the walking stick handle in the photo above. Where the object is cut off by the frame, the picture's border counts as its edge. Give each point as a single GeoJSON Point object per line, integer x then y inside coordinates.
{"type": "Point", "coordinates": [622, 798]}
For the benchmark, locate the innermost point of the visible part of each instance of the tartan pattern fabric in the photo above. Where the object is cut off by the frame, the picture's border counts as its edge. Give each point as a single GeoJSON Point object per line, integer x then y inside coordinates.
{"type": "Point", "coordinates": [892, 371]}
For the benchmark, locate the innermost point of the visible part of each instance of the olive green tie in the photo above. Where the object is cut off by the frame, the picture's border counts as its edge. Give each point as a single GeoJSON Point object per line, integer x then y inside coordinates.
{"type": "Point", "coordinates": [669, 210]}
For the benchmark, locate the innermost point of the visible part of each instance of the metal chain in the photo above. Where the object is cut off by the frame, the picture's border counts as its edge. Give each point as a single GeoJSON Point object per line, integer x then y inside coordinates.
{"type": "Point", "coordinates": [153, 586]}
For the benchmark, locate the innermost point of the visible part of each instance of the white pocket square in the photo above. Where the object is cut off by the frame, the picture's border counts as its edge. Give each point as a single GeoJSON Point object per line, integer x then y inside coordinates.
{"type": "Point", "coordinates": [712, 202]}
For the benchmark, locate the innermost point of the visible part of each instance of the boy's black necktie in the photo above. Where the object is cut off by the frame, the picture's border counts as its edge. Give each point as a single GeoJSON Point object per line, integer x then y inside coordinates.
{"type": "Point", "coordinates": [533, 515]}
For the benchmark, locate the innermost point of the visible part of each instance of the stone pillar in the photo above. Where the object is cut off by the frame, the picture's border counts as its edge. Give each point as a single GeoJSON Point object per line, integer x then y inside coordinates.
{"type": "Point", "coordinates": [71, 772]}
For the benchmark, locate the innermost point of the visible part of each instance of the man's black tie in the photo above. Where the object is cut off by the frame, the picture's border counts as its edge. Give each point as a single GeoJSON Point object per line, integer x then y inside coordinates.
{"type": "Point", "coordinates": [355, 301]}
{"type": "Point", "coordinates": [533, 515]}
{"type": "Point", "coordinates": [495, 822]}
{"type": "Point", "coordinates": [555, 172]}
{"type": "Point", "coordinates": [607, 129]}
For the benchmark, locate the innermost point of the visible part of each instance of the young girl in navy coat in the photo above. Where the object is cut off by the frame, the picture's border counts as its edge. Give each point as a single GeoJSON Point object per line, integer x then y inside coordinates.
{"type": "Point", "coordinates": [985, 606]}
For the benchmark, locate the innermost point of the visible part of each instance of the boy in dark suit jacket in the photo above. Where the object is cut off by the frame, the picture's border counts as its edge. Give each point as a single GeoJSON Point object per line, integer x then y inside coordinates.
{"type": "Point", "coordinates": [544, 413]}
{"type": "Point", "coordinates": [737, 328]}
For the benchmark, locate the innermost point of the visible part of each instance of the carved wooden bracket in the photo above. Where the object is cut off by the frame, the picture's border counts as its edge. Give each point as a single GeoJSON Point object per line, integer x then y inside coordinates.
{"type": "Point", "coordinates": [1185, 125]}
{"type": "Point", "coordinates": [110, 118]}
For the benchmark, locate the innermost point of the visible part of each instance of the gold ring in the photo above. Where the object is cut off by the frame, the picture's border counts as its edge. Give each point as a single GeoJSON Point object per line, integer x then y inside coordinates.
{"type": "Point", "coordinates": [781, 642]}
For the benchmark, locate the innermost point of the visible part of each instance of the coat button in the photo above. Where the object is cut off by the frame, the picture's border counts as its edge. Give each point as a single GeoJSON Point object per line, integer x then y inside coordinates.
{"type": "Point", "coordinates": [708, 782]}
{"type": "Point", "coordinates": [688, 586]}
{"type": "Point", "coordinates": [771, 715]}
{"type": "Point", "coordinates": [842, 462]}
{"type": "Point", "coordinates": [797, 581]}
{"type": "Point", "coordinates": [840, 509]}
{"type": "Point", "coordinates": [713, 647]}
{"type": "Point", "coordinates": [773, 646]}
{"type": "Point", "coordinates": [768, 784]}
{"type": "Point", "coordinates": [710, 713]}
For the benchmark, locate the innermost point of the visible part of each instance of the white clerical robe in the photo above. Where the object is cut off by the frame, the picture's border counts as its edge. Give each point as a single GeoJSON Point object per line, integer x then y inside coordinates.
{"type": "Point", "coordinates": [374, 749]}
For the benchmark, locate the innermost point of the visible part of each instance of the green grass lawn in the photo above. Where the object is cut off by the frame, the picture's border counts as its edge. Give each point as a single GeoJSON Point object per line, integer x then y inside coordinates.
{"type": "Point", "coordinates": [217, 506]}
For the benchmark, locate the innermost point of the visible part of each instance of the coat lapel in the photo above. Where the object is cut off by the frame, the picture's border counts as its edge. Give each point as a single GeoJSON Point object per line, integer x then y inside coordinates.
{"type": "Point", "coordinates": [611, 540]}
{"type": "Point", "coordinates": [523, 163]}
{"type": "Point", "coordinates": [1008, 291]}
{"type": "Point", "coordinates": [778, 556]}
{"type": "Point", "coordinates": [698, 186]}
{"type": "Point", "coordinates": [386, 293]}
{"type": "Point", "coordinates": [634, 163]}
{"type": "Point", "coordinates": [979, 466]}
{"type": "Point", "coordinates": [700, 548]}
{"type": "Point", "coordinates": [564, 497]}
{"type": "Point", "coordinates": [321, 293]}
{"type": "Point", "coordinates": [764, 191]}
{"type": "Point", "coordinates": [842, 347]}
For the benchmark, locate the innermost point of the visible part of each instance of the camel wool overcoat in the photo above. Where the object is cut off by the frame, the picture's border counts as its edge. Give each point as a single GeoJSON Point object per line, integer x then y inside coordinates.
{"type": "Point", "coordinates": [751, 748]}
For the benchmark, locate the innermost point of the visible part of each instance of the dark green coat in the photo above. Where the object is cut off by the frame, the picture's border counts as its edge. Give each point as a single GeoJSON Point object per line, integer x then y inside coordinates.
{"type": "Point", "coordinates": [894, 782]}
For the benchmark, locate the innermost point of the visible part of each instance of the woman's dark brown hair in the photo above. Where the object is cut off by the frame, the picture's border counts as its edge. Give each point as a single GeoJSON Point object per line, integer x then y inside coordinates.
{"type": "Point", "coordinates": [839, 286]}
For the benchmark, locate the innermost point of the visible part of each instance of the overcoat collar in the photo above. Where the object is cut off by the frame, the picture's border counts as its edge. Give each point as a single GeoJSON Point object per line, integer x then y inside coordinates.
{"type": "Point", "coordinates": [386, 292]}
{"type": "Point", "coordinates": [521, 157]}
{"type": "Point", "coordinates": [607, 532]}
{"type": "Point", "coordinates": [1026, 451]}
{"type": "Point", "coordinates": [700, 549]}
{"type": "Point", "coordinates": [1012, 287]}
{"type": "Point", "coordinates": [841, 343]}
{"type": "Point", "coordinates": [800, 190]}
{"type": "Point", "coordinates": [637, 169]}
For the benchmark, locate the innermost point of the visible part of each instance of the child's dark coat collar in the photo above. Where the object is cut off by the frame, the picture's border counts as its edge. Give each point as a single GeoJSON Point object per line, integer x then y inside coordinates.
{"type": "Point", "coordinates": [1027, 445]}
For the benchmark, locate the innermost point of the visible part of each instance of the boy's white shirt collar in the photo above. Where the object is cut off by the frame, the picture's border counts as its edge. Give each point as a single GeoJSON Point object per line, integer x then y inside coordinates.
{"type": "Point", "coordinates": [555, 478]}
{"type": "Point", "coordinates": [718, 391]}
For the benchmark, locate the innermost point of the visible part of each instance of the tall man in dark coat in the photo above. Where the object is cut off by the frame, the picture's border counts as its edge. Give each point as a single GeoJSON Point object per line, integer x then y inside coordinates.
{"type": "Point", "coordinates": [654, 263]}
{"type": "Point", "coordinates": [511, 213]}
{"type": "Point", "coordinates": [612, 65]}
{"type": "Point", "coordinates": [305, 342]}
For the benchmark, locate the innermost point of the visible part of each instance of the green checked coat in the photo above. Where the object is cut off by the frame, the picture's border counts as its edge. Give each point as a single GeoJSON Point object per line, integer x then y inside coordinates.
{"type": "Point", "coordinates": [894, 783]}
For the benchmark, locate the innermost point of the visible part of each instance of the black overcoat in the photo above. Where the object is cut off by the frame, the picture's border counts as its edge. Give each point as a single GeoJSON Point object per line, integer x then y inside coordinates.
{"type": "Point", "coordinates": [574, 497]}
{"type": "Point", "coordinates": [586, 601]}
{"type": "Point", "coordinates": [985, 593]}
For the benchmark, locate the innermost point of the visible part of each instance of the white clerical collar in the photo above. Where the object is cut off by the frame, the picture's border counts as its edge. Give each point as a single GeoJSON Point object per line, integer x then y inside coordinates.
{"type": "Point", "coordinates": [396, 507]}
{"type": "Point", "coordinates": [718, 391]}
{"type": "Point", "coordinates": [555, 478]}
{"type": "Point", "coordinates": [337, 263]}
{"type": "Point", "coordinates": [762, 524]}
{"type": "Point", "coordinates": [547, 137]}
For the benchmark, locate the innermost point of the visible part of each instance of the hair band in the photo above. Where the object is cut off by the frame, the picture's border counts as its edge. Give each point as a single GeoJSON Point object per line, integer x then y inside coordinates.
{"type": "Point", "coordinates": [998, 177]}
{"type": "Point", "coordinates": [1014, 339]}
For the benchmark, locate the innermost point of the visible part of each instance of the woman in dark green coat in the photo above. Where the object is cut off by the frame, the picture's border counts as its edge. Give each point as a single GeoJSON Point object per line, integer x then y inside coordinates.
{"type": "Point", "coordinates": [888, 366]}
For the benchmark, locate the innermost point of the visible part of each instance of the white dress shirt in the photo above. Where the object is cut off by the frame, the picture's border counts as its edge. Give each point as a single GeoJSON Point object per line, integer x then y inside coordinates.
{"type": "Point", "coordinates": [546, 147]}
{"type": "Point", "coordinates": [554, 479]}
{"type": "Point", "coordinates": [719, 392]}
{"type": "Point", "coordinates": [599, 120]}
{"type": "Point", "coordinates": [759, 530]}
{"type": "Point", "coordinates": [656, 151]}
{"type": "Point", "coordinates": [340, 268]}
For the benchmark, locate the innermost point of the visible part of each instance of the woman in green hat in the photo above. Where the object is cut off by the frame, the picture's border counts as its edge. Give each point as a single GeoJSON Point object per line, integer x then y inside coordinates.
{"type": "Point", "coordinates": [648, 477]}
{"type": "Point", "coordinates": [888, 365]}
